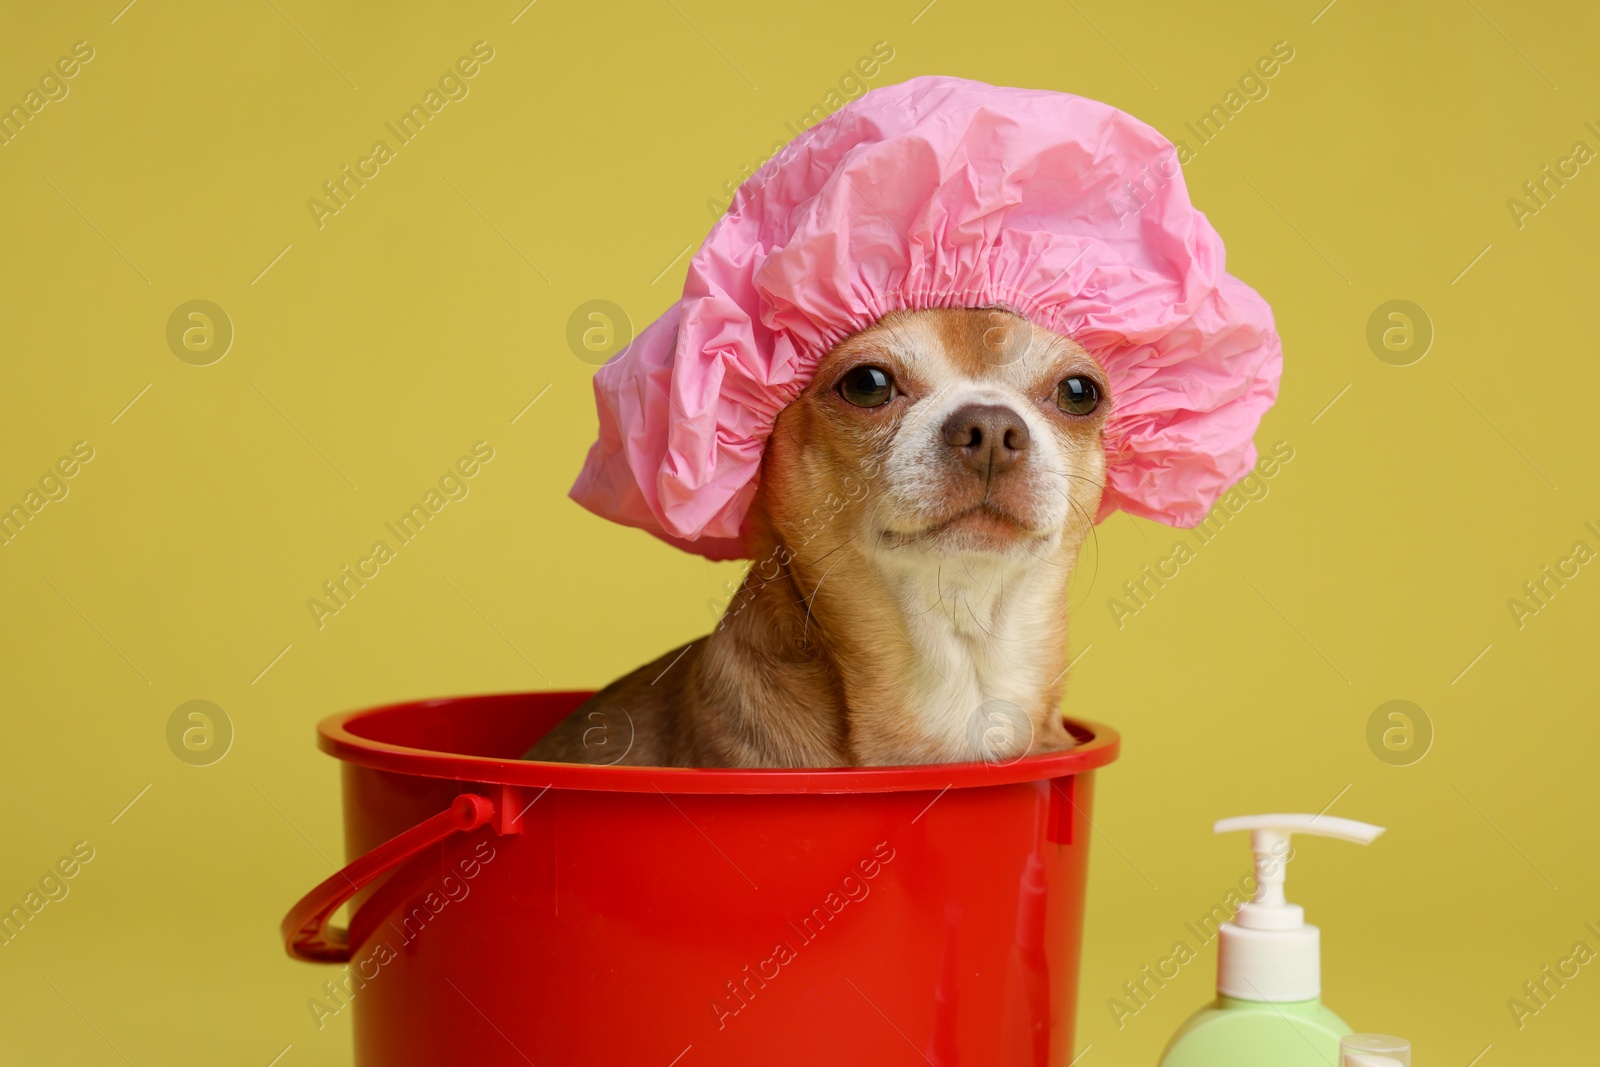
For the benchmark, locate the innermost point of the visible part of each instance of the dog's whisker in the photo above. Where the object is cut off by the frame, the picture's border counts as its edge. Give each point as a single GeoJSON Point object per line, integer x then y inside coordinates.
{"type": "Point", "coordinates": [811, 601]}
{"type": "Point", "coordinates": [825, 555]}
{"type": "Point", "coordinates": [977, 620]}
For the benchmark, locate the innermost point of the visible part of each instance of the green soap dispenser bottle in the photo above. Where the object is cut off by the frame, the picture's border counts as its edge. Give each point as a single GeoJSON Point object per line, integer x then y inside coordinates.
{"type": "Point", "coordinates": [1268, 1011]}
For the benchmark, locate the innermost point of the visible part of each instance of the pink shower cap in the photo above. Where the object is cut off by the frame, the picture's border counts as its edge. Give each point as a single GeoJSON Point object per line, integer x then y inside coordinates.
{"type": "Point", "coordinates": [941, 192]}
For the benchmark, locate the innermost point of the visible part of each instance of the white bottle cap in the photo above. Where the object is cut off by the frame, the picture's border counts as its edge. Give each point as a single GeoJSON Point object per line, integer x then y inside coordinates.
{"type": "Point", "coordinates": [1268, 952]}
{"type": "Point", "coordinates": [1374, 1050]}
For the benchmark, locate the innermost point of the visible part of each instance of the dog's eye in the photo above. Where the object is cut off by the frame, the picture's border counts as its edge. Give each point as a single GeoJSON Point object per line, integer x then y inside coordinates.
{"type": "Point", "coordinates": [1077, 395]}
{"type": "Point", "coordinates": [867, 387]}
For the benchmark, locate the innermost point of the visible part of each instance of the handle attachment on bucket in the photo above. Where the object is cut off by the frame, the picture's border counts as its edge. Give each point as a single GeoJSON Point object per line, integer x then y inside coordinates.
{"type": "Point", "coordinates": [305, 930]}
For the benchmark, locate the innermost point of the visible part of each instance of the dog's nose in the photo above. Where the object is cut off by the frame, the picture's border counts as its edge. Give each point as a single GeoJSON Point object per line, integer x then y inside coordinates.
{"type": "Point", "coordinates": [989, 438]}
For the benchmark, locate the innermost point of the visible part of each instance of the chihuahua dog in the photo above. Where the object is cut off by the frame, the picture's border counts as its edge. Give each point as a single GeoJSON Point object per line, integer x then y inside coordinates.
{"type": "Point", "coordinates": [921, 508]}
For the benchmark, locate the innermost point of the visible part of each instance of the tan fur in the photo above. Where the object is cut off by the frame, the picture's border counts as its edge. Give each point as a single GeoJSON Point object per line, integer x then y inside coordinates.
{"type": "Point", "coordinates": [871, 628]}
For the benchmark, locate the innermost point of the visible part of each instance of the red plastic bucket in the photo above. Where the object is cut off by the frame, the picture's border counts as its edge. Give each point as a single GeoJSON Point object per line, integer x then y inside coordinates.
{"type": "Point", "coordinates": [554, 914]}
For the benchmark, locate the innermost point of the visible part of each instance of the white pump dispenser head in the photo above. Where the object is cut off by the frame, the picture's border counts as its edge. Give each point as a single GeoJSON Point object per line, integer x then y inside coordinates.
{"type": "Point", "coordinates": [1269, 953]}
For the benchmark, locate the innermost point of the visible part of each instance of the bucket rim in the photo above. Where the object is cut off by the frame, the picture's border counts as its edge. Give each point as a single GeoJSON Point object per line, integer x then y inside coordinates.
{"type": "Point", "coordinates": [1098, 745]}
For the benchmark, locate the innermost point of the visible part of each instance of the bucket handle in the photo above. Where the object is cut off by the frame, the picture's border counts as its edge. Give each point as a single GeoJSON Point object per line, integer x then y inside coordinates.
{"type": "Point", "coordinates": [306, 930]}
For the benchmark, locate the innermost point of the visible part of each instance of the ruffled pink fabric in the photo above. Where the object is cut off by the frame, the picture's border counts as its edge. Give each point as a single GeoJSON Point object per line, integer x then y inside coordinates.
{"type": "Point", "coordinates": [942, 192]}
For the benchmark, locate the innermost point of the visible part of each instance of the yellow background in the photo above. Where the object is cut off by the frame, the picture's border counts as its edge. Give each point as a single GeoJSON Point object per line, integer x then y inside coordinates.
{"type": "Point", "coordinates": [429, 312]}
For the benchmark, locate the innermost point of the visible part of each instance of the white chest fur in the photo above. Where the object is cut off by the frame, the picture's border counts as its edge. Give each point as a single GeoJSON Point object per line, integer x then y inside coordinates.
{"type": "Point", "coordinates": [984, 636]}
